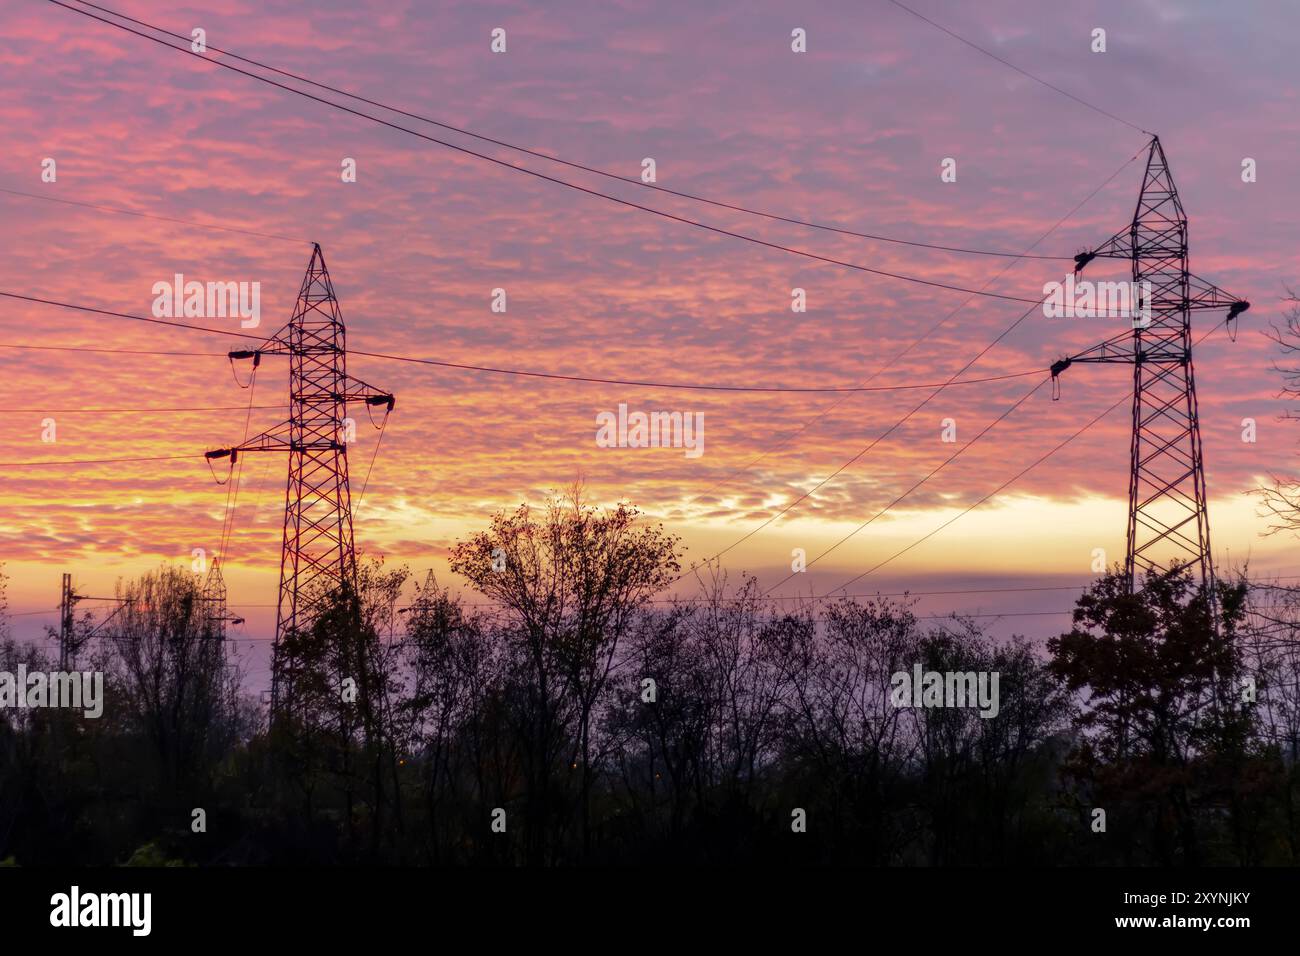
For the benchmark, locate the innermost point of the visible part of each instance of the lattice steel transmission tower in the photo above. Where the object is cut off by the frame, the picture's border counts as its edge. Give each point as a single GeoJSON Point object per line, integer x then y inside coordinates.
{"type": "Point", "coordinates": [215, 610]}
{"type": "Point", "coordinates": [1167, 516]}
{"type": "Point", "coordinates": [317, 555]}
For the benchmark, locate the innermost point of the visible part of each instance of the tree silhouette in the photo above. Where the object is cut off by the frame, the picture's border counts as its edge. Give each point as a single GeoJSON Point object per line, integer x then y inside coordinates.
{"type": "Point", "coordinates": [569, 582]}
{"type": "Point", "coordinates": [1158, 710]}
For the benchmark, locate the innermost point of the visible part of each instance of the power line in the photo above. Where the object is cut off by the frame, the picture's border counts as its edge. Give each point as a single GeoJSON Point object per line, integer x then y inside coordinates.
{"type": "Point", "coordinates": [994, 492]}
{"type": "Point", "coordinates": [977, 614]}
{"type": "Point", "coordinates": [1003, 590]}
{"type": "Point", "coordinates": [114, 639]}
{"type": "Point", "coordinates": [379, 440]}
{"type": "Point", "coordinates": [689, 386]}
{"type": "Point", "coordinates": [1021, 71]}
{"type": "Point", "coordinates": [562, 182]}
{"type": "Point", "coordinates": [87, 348]}
{"type": "Point", "coordinates": [930, 331]}
{"type": "Point", "coordinates": [127, 315]}
{"type": "Point", "coordinates": [951, 458]}
{"type": "Point", "coordinates": [730, 388]}
{"type": "Point", "coordinates": [920, 617]}
{"type": "Point", "coordinates": [109, 638]}
{"type": "Point", "coordinates": [874, 442]}
{"type": "Point", "coordinates": [115, 411]}
{"type": "Point", "coordinates": [1014, 478]}
{"type": "Point", "coordinates": [828, 596]}
{"type": "Point", "coordinates": [91, 461]}
{"type": "Point", "coordinates": [145, 215]}
{"type": "Point", "coordinates": [635, 383]}
{"type": "Point", "coordinates": [681, 599]}
{"type": "Point", "coordinates": [232, 493]}
{"type": "Point", "coordinates": [1005, 332]}
{"type": "Point", "coordinates": [569, 163]}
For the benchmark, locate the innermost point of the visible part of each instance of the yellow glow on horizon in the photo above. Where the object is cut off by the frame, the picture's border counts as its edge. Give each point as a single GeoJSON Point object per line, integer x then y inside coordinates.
{"type": "Point", "coordinates": [1018, 536]}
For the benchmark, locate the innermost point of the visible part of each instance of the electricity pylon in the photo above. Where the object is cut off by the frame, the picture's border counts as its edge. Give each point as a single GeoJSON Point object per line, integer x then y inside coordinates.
{"type": "Point", "coordinates": [317, 556]}
{"type": "Point", "coordinates": [1167, 516]}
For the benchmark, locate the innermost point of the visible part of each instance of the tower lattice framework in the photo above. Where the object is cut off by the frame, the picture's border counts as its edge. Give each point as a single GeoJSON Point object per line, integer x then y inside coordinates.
{"type": "Point", "coordinates": [317, 555]}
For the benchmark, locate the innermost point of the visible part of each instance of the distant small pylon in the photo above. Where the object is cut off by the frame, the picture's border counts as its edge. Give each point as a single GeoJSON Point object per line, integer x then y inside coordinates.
{"type": "Point", "coordinates": [317, 551]}
{"type": "Point", "coordinates": [214, 603]}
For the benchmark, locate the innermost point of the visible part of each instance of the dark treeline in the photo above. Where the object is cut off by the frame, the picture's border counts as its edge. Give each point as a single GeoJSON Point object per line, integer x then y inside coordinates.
{"type": "Point", "coordinates": [571, 715]}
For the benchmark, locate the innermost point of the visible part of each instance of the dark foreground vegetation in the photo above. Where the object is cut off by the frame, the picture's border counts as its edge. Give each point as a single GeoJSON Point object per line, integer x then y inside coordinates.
{"type": "Point", "coordinates": [570, 715]}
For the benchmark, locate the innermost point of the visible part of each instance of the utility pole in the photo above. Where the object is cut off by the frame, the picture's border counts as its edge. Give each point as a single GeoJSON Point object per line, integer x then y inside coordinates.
{"type": "Point", "coordinates": [214, 603]}
{"type": "Point", "coordinates": [70, 642]}
{"type": "Point", "coordinates": [67, 625]}
{"type": "Point", "coordinates": [1168, 520]}
{"type": "Point", "coordinates": [317, 555]}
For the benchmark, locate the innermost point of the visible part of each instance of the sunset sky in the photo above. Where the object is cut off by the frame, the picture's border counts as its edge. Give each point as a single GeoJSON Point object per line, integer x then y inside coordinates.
{"type": "Point", "coordinates": [851, 133]}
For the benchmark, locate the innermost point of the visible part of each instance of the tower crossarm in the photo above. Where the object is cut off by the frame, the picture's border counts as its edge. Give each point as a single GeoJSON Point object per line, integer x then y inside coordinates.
{"type": "Point", "coordinates": [1118, 246]}
{"type": "Point", "coordinates": [1117, 348]}
{"type": "Point", "coordinates": [1201, 293]}
{"type": "Point", "coordinates": [356, 390]}
{"type": "Point", "coordinates": [277, 344]}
